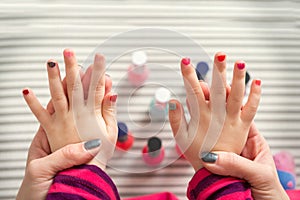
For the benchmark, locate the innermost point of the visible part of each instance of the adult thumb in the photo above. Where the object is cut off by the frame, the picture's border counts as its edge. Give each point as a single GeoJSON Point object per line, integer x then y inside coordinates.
{"type": "Point", "coordinates": [231, 164]}
{"type": "Point", "coordinates": [69, 156]}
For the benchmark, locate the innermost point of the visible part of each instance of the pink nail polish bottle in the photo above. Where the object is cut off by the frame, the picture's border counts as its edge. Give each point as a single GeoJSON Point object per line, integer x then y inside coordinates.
{"type": "Point", "coordinates": [158, 109]}
{"type": "Point", "coordinates": [138, 72]}
{"type": "Point", "coordinates": [125, 138]}
{"type": "Point", "coordinates": [153, 152]}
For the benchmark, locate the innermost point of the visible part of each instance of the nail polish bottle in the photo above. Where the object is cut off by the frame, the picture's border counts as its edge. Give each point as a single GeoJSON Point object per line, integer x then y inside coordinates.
{"type": "Point", "coordinates": [247, 80]}
{"type": "Point", "coordinates": [158, 109]}
{"type": "Point", "coordinates": [138, 71]}
{"type": "Point", "coordinates": [153, 152]}
{"type": "Point", "coordinates": [201, 70]}
{"type": "Point", "coordinates": [179, 152]}
{"type": "Point", "coordinates": [125, 138]}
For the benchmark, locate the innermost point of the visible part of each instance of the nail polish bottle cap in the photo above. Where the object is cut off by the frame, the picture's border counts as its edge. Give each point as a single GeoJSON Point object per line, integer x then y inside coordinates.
{"type": "Point", "coordinates": [122, 129]}
{"type": "Point", "coordinates": [162, 95]}
{"type": "Point", "coordinates": [154, 144]}
{"type": "Point", "coordinates": [139, 58]}
{"type": "Point", "coordinates": [201, 70]}
{"type": "Point", "coordinates": [247, 79]}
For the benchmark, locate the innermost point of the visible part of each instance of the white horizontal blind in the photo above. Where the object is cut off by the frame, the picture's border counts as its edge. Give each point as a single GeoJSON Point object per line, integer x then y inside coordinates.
{"type": "Point", "coordinates": [263, 33]}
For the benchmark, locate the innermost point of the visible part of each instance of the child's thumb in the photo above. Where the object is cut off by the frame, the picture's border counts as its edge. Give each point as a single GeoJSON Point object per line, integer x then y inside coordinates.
{"type": "Point", "coordinates": [230, 164]}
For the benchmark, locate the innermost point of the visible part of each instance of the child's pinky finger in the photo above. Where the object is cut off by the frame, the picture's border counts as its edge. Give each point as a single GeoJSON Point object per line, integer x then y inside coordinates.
{"type": "Point", "coordinates": [251, 106]}
{"type": "Point", "coordinates": [36, 108]}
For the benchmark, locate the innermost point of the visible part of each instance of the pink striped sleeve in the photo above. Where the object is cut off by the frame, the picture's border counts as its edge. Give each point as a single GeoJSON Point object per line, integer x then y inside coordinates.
{"type": "Point", "coordinates": [205, 185]}
{"type": "Point", "coordinates": [82, 182]}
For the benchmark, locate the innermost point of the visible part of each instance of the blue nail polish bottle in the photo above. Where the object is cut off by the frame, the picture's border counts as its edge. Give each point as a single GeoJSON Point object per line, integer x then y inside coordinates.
{"type": "Point", "coordinates": [201, 70]}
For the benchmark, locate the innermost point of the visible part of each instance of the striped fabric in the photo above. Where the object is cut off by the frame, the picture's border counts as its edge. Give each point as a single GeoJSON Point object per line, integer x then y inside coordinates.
{"type": "Point", "coordinates": [207, 186]}
{"type": "Point", "coordinates": [83, 182]}
{"type": "Point", "coordinates": [90, 182]}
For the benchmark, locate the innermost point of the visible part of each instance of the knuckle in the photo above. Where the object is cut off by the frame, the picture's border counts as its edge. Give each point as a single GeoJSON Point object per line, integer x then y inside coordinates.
{"type": "Point", "coordinates": [68, 152]}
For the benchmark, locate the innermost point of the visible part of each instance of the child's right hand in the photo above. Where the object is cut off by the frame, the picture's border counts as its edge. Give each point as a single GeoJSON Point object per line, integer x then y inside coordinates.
{"type": "Point", "coordinates": [190, 135]}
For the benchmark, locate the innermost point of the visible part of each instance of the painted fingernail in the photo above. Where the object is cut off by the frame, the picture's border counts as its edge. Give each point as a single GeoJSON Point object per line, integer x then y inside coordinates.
{"type": "Point", "coordinates": [258, 82]}
{"type": "Point", "coordinates": [92, 144]}
{"type": "Point", "coordinates": [185, 61]}
{"type": "Point", "coordinates": [51, 64]}
{"type": "Point", "coordinates": [113, 98]}
{"type": "Point", "coordinates": [240, 66]}
{"type": "Point", "coordinates": [68, 53]}
{"type": "Point", "coordinates": [221, 58]}
{"type": "Point", "coordinates": [172, 106]}
{"type": "Point", "coordinates": [25, 91]}
{"type": "Point", "coordinates": [209, 157]}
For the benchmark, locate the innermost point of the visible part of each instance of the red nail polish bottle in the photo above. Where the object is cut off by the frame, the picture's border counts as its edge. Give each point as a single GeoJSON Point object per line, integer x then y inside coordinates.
{"type": "Point", "coordinates": [125, 138]}
{"type": "Point", "coordinates": [138, 72]}
{"type": "Point", "coordinates": [153, 152]}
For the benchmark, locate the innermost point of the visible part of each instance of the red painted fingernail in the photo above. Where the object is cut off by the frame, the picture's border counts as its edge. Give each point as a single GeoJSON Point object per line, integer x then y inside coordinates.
{"type": "Point", "coordinates": [185, 61]}
{"type": "Point", "coordinates": [113, 98]}
{"type": "Point", "coordinates": [258, 82]}
{"type": "Point", "coordinates": [25, 91]}
{"type": "Point", "coordinates": [68, 54]}
{"type": "Point", "coordinates": [240, 66]}
{"type": "Point", "coordinates": [221, 58]}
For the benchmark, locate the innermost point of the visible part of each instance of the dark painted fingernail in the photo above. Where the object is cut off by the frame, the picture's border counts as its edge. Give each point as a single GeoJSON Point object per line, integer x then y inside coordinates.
{"type": "Point", "coordinates": [186, 61]}
{"type": "Point", "coordinates": [51, 64]}
{"type": "Point", "coordinates": [172, 106]}
{"type": "Point", "coordinates": [92, 144]}
{"type": "Point", "coordinates": [25, 91]}
{"type": "Point", "coordinates": [209, 157]}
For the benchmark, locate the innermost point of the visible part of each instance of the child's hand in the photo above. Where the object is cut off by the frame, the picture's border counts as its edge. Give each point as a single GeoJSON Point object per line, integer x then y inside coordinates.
{"type": "Point", "coordinates": [255, 165]}
{"type": "Point", "coordinates": [190, 136]}
{"type": "Point", "coordinates": [75, 119]}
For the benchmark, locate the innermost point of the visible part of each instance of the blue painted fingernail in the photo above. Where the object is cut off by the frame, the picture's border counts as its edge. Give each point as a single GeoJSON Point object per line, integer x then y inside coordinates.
{"type": "Point", "coordinates": [92, 144]}
{"type": "Point", "coordinates": [51, 64]}
{"type": "Point", "coordinates": [172, 106]}
{"type": "Point", "coordinates": [209, 157]}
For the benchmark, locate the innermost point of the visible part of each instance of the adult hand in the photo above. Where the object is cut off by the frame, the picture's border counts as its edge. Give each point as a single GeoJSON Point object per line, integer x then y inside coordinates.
{"type": "Point", "coordinates": [255, 165]}
{"type": "Point", "coordinates": [42, 166]}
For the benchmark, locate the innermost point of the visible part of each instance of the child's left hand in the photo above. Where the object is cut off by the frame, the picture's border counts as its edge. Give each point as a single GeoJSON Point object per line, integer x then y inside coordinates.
{"type": "Point", "coordinates": [202, 103]}
{"type": "Point", "coordinates": [75, 119]}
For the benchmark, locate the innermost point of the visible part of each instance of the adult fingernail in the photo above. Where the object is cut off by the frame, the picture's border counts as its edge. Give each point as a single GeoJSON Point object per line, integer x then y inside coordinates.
{"type": "Point", "coordinates": [51, 64]}
{"type": "Point", "coordinates": [172, 106]}
{"type": "Point", "coordinates": [240, 66]}
{"type": "Point", "coordinates": [186, 61]}
{"type": "Point", "coordinates": [113, 98]}
{"type": "Point", "coordinates": [25, 92]}
{"type": "Point", "coordinates": [221, 58]}
{"type": "Point", "coordinates": [92, 144]}
{"type": "Point", "coordinates": [107, 75]}
{"type": "Point", "coordinates": [209, 157]}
